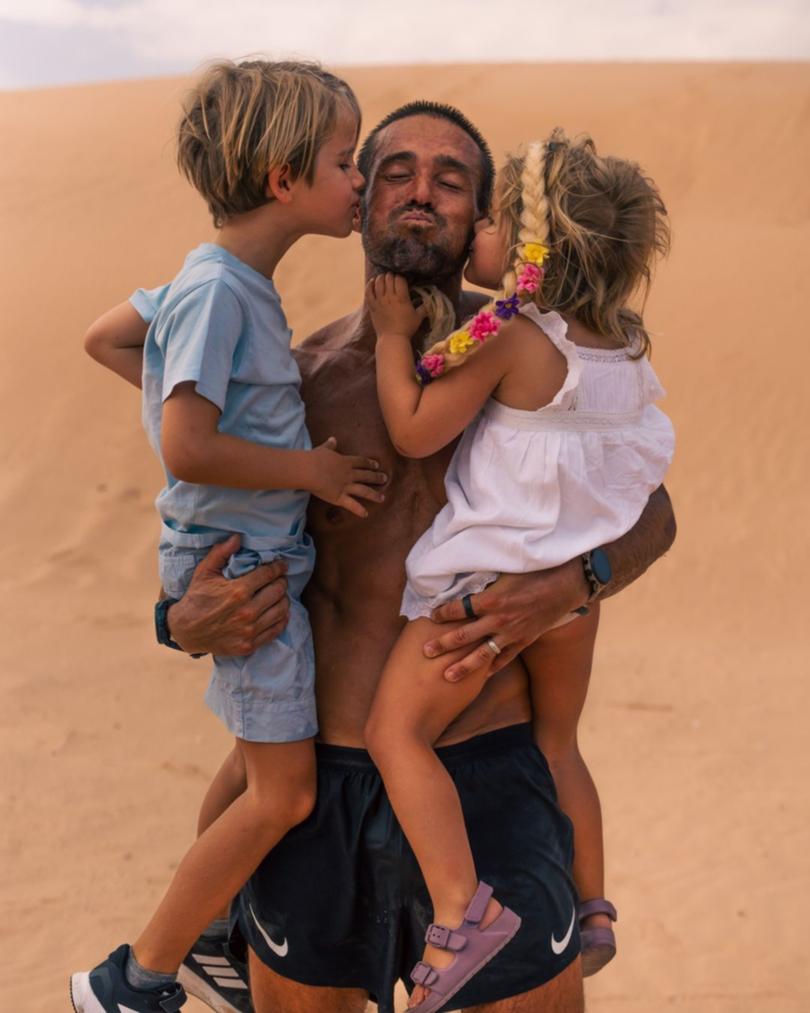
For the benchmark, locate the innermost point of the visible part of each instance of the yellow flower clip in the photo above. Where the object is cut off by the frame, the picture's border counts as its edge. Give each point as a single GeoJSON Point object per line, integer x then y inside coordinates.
{"type": "Point", "coordinates": [534, 253]}
{"type": "Point", "coordinates": [460, 342]}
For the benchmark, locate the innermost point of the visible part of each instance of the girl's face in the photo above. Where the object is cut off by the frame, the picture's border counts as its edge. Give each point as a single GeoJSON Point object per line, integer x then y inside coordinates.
{"type": "Point", "coordinates": [488, 254]}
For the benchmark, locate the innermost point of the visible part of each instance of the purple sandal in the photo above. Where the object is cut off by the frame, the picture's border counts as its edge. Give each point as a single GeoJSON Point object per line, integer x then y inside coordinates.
{"type": "Point", "coordinates": [598, 942]}
{"type": "Point", "coordinates": [473, 947]}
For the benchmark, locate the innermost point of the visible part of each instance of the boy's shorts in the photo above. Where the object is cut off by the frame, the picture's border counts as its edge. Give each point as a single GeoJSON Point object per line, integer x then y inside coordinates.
{"type": "Point", "coordinates": [267, 696]}
{"type": "Point", "coordinates": [340, 901]}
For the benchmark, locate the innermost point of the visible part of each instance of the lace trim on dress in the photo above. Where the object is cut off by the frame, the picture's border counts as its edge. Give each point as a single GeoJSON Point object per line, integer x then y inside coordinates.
{"type": "Point", "coordinates": [603, 354]}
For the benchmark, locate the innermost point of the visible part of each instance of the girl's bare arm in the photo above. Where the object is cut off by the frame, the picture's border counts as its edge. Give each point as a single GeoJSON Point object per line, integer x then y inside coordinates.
{"type": "Point", "coordinates": [421, 420]}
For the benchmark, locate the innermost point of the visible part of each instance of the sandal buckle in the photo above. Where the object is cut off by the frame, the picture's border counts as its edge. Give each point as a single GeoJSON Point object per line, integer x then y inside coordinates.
{"type": "Point", "coordinates": [438, 935]}
{"type": "Point", "coordinates": [424, 974]}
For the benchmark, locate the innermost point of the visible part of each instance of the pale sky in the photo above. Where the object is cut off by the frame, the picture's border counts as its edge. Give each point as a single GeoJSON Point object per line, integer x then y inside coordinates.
{"type": "Point", "coordinates": [53, 42]}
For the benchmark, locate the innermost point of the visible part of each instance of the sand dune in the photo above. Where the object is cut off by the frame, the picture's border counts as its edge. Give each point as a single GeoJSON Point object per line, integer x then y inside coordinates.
{"type": "Point", "coordinates": [696, 726]}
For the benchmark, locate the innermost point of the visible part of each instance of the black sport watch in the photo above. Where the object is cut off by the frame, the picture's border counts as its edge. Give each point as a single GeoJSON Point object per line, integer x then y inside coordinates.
{"type": "Point", "coordinates": [598, 571]}
{"type": "Point", "coordinates": [162, 626]}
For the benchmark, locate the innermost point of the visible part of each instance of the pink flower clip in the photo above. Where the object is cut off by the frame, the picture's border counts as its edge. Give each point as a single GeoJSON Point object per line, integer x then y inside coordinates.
{"type": "Point", "coordinates": [434, 364]}
{"type": "Point", "coordinates": [529, 278]}
{"type": "Point", "coordinates": [483, 324]}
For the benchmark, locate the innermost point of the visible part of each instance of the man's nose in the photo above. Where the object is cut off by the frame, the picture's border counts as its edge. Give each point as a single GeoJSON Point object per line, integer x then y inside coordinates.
{"type": "Point", "coordinates": [422, 189]}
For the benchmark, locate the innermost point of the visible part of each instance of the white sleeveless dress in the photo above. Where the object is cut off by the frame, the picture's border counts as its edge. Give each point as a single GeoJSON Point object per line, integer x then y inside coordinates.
{"type": "Point", "coordinates": [529, 490]}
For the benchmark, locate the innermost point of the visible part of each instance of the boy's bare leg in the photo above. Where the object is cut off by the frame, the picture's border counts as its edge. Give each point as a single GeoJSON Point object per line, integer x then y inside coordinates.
{"type": "Point", "coordinates": [228, 784]}
{"type": "Point", "coordinates": [563, 994]}
{"type": "Point", "coordinates": [271, 994]}
{"type": "Point", "coordinates": [279, 795]}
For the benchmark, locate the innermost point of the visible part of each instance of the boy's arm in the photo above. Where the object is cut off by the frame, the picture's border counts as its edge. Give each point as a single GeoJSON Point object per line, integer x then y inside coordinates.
{"type": "Point", "coordinates": [518, 608]}
{"type": "Point", "coordinates": [116, 340]}
{"type": "Point", "coordinates": [195, 451]}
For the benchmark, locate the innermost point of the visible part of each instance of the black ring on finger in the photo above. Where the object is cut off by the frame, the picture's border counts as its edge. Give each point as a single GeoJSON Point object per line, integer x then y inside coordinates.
{"type": "Point", "coordinates": [469, 611]}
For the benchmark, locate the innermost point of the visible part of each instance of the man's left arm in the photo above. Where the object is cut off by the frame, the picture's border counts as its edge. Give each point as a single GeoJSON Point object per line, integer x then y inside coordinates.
{"type": "Point", "coordinates": [518, 608]}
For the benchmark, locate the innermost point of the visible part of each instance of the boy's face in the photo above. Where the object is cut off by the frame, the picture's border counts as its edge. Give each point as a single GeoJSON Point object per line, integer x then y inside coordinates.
{"type": "Point", "coordinates": [328, 206]}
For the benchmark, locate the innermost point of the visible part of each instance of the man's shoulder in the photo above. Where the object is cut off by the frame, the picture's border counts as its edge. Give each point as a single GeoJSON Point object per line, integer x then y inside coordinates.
{"type": "Point", "coordinates": [330, 341]}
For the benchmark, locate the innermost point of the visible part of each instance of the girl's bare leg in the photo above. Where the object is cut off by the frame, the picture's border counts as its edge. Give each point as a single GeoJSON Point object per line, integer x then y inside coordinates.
{"type": "Point", "coordinates": [280, 793]}
{"type": "Point", "coordinates": [413, 706]}
{"type": "Point", "coordinates": [559, 665]}
{"type": "Point", "coordinates": [228, 784]}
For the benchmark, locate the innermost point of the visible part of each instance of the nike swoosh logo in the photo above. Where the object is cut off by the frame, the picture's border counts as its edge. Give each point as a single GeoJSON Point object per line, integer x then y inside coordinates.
{"type": "Point", "coordinates": [558, 947]}
{"type": "Point", "coordinates": [280, 950]}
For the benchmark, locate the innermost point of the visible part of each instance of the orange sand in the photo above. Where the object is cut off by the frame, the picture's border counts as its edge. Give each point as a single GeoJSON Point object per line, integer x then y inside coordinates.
{"type": "Point", "coordinates": [697, 716]}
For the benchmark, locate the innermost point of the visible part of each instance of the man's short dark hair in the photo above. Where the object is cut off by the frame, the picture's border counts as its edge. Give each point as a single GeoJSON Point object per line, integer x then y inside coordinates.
{"type": "Point", "coordinates": [441, 111]}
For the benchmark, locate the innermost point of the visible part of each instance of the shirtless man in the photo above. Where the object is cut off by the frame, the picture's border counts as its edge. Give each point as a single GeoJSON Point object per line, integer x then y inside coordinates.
{"type": "Point", "coordinates": [335, 915]}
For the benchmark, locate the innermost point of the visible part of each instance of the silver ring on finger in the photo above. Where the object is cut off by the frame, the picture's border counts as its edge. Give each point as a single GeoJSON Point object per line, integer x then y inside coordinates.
{"type": "Point", "coordinates": [494, 647]}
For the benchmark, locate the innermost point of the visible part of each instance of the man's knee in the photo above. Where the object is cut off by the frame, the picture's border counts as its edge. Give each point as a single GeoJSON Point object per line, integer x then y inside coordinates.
{"type": "Point", "coordinates": [563, 994]}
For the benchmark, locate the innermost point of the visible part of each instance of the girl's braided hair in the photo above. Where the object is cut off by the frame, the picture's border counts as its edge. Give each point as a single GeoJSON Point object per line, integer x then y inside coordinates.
{"type": "Point", "coordinates": [583, 232]}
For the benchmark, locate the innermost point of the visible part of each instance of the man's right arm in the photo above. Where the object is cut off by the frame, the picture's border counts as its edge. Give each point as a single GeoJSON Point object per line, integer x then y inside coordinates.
{"type": "Point", "coordinates": [230, 617]}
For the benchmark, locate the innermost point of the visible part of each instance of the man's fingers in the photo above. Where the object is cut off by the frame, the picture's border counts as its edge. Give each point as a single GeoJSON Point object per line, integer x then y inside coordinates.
{"type": "Point", "coordinates": [277, 613]}
{"type": "Point", "coordinates": [481, 657]}
{"type": "Point", "coordinates": [268, 596]}
{"type": "Point", "coordinates": [461, 636]}
{"type": "Point", "coordinates": [263, 575]}
{"type": "Point", "coordinates": [218, 556]}
{"type": "Point", "coordinates": [450, 612]}
{"type": "Point", "coordinates": [270, 634]}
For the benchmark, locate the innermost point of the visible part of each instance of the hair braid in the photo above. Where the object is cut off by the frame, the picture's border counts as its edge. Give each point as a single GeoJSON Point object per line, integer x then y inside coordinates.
{"type": "Point", "coordinates": [533, 230]}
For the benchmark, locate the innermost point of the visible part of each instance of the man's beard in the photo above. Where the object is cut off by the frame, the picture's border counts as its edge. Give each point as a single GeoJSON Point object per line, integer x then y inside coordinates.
{"type": "Point", "coordinates": [420, 260]}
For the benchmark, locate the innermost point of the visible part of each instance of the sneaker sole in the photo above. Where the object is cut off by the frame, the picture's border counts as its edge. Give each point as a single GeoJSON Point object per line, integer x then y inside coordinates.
{"type": "Point", "coordinates": [82, 997]}
{"type": "Point", "coordinates": [200, 989]}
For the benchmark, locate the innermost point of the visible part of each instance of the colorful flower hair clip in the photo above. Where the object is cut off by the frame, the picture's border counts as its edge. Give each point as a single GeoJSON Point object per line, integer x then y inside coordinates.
{"type": "Point", "coordinates": [534, 253]}
{"type": "Point", "coordinates": [482, 325]}
{"type": "Point", "coordinates": [505, 309]}
{"type": "Point", "coordinates": [429, 367]}
{"type": "Point", "coordinates": [529, 278]}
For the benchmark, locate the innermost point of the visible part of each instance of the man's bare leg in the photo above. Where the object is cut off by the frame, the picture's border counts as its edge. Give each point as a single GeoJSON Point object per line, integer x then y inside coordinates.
{"type": "Point", "coordinates": [273, 994]}
{"type": "Point", "coordinates": [563, 994]}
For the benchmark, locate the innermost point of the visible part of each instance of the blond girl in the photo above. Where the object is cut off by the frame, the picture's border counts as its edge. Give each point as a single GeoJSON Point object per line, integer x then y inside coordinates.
{"type": "Point", "coordinates": [561, 446]}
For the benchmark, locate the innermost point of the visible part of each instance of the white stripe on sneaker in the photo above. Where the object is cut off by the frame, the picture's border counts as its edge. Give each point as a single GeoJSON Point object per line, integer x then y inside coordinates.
{"type": "Point", "coordinates": [230, 982]}
{"type": "Point", "coordinates": [201, 958]}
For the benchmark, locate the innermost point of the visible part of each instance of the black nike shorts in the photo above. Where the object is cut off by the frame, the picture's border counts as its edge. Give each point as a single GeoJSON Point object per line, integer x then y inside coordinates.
{"type": "Point", "coordinates": [340, 901]}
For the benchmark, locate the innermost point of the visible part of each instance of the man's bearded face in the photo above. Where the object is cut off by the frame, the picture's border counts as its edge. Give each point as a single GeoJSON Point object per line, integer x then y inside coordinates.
{"type": "Point", "coordinates": [420, 202]}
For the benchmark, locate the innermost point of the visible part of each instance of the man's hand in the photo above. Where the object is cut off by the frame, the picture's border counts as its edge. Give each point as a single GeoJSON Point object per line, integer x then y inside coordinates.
{"type": "Point", "coordinates": [514, 612]}
{"type": "Point", "coordinates": [345, 479]}
{"type": "Point", "coordinates": [230, 617]}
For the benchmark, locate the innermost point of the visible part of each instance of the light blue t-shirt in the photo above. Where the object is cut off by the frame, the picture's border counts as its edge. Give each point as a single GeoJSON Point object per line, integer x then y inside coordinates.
{"type": "Point", "coordinates": [220, 325]}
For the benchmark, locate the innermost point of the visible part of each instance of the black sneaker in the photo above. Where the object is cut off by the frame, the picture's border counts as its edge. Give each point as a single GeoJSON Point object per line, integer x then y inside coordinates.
{"type": "Point", "coordinates": [105, 989]}
{"type": "Point", "coordinates": [212, 974]}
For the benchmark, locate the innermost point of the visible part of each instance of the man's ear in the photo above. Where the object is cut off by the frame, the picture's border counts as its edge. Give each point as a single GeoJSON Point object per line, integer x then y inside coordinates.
{"type": "Point", "coordinates": [279, 184]}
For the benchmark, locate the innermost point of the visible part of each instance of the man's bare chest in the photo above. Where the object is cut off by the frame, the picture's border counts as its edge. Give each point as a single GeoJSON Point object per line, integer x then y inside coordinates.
{"type": "Point", "coordinates": [342, 402]}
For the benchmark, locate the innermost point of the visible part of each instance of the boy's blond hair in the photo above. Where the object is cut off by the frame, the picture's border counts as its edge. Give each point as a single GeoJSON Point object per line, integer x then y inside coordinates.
{"type": "Point", "coordinates": [241, 120]}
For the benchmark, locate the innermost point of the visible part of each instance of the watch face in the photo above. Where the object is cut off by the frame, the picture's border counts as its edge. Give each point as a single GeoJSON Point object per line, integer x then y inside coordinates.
{"type": "Point", "coordinates": [600, 564]}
